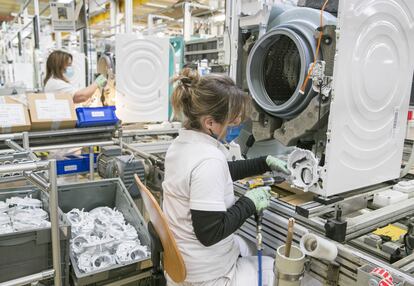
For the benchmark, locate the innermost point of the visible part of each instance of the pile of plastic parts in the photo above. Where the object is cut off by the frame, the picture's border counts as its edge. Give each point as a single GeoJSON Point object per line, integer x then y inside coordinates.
{"type": "Point", "coordinates": [101, 238]}
{"type": "Point", "coordinates": [21, 214]}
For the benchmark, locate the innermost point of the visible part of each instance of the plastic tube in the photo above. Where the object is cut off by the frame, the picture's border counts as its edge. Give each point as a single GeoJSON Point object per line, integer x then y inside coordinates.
{"type": "Point", "coordinates": [318, 247]}
{"type": "Point", "coordinates": [260, 268]}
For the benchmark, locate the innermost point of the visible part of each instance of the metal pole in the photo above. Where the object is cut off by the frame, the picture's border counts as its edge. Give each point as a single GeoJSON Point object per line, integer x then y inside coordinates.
{"type": "Point", "coordinates": [29, 279]}
{"type": "Point", "coordinates": [150, 23]}
{"type": "Point", "coordinates": [22, 167]}
{"type": "Point", "coordinates": [85, 48]}
{"type": "Point", "coordinates": [114, 16]}
{"type": "Point", "coordinates": [36, 180]}
{"type": "Point", "coordinates": [13, 145]}
{"type": "Point", "coordinates": [187, 21]}
{"type": "Point", "coordinates": [26, 141]}
{"type": "Point", "coordinates": [232, 23]}
{"type": "Point", "coordinates": [91, 163]}
{"type": "Point", "coordinates": [54, 221]}
{"type": "Point", "coordinates": [129, 16]}
{"type": "Point", "coordinates": [74, 145]}
{"type": "Point", "coordinates": [36, 51]}
{"type": "Point", "coordinates": [4, 137]}
{"type": "Point", "coordinates": [121, 139]}
{"type": "Point", "coordinates": [58, 38]}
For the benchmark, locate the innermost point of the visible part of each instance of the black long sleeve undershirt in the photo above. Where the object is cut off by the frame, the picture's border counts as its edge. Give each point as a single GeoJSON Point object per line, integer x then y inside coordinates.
{"type": "Point", "coordinates": [246, 168]}
{"type": "Point", "coordinates": [211, 227]}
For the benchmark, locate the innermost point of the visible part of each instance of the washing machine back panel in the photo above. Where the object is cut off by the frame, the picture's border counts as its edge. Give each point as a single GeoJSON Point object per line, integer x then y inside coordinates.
{"type": "Point", "coordinates": [372, 82]}
{"type": "Point", "coordinates": [78, 65]}
{"type": "Point", "coordinates": [142, 67]}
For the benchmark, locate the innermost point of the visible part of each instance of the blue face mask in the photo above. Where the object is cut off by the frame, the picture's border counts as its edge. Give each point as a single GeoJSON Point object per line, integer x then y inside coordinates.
{"type": "Point", "coordinates": [69, 72]}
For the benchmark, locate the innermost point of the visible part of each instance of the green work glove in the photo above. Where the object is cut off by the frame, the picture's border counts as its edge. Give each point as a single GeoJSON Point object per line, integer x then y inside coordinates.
{"type": "Point", "coordinates": [260, 197]}
{"type": "Point", "coordinates": [277, 165]}
{"type": "Point", "coordinates": [101, 81]}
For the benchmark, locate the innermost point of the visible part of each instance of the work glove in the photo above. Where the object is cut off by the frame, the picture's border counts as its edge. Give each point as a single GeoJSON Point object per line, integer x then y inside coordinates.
{"type": "Point", "coordinates": [277, 165]}
{"type": "Point", "coordinates": [101, 81]}
{"type": "Point", "coordinates": [260, 197]}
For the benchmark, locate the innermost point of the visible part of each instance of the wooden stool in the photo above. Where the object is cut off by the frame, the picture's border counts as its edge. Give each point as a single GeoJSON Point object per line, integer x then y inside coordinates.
{"type": "Point", "coordinates": [162, 241]}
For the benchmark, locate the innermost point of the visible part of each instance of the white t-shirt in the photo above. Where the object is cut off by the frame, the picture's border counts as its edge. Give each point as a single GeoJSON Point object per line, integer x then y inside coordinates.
{"type": "Point", "coordinates": [57, 85]}
{"type": "Point", "coordinates": [197, 177]}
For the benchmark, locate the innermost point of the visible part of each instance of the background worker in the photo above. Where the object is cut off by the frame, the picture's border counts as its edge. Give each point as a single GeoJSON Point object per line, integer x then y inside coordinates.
{"type": "Point", "coordinates": [199, 200]}
{"type": "Point", "coordinates": [59, 71]}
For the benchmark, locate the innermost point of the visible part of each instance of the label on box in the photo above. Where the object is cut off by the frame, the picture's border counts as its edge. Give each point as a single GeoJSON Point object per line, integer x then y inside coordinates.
{"type": "Point", "coordinates": [12, 115]}
{"type": "Point", "coordinates": [70, 168]}
{"type": "Point", "coordinates": [53, 109]}
{"type": "Point", "coordinates": [98, 114]}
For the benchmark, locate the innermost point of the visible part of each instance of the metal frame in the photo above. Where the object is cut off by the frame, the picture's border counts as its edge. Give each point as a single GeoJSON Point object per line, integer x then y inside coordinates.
{"type": "Point", "coordinates": [30, 171]}
{"type": "Point", "coordinates": [49, 135]}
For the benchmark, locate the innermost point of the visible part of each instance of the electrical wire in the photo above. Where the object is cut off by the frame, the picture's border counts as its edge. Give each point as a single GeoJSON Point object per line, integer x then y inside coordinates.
{"type": "Point", "coordinates": [302, 88]}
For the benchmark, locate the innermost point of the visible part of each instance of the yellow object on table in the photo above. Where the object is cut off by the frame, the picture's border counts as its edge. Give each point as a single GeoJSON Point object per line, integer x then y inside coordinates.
{"type": "Point", "coordinates": [392, 231]}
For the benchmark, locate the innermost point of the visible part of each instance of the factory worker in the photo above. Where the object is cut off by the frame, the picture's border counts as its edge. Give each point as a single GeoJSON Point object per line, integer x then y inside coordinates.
{"type": "Point", "coordinates": [199, 200]}
{"type": "Point", "coordinates": [59, 71]}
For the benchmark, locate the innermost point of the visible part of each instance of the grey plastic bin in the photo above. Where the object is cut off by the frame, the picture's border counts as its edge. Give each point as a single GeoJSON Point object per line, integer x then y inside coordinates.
{"type": "Point", "coordinates": [28, 252]}
{"type": "Point", "coordinates": [111, 193]}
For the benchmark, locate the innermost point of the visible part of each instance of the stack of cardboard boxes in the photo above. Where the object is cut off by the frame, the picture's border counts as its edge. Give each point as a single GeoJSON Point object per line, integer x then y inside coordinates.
{"type": "Point", "coordinates": [42, 111]}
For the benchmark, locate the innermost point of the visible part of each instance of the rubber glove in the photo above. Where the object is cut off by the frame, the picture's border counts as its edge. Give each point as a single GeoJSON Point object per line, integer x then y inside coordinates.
{"type": "Point", "coordinates": [277, 165]}
{"type": "Point", "coordinates": [260, 197]}
{"type": "Point", "coordinates": [101, 81]}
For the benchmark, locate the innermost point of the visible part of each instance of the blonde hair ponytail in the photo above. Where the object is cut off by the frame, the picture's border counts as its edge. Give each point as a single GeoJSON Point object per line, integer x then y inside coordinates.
{"type": "Point", "coordinates": [215, 95]}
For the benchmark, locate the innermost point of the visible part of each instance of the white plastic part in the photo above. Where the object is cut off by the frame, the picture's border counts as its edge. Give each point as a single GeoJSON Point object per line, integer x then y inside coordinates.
{"type": "Point", "coordinates": [371, 89]}
{"type": "Point", "coordinates": [318, 247]}
{"type": "Point", "coordinates": [303, 166]}
{"type": "Point", "coordinates": [234, 151]}
{"type": "Point", "coordinates": [3, 207]}
{"type": "Point", "coordinates": [142, 78]}
{"type": "Point", "coordinates": [404, 187]}
{"type": "Point", "coordinates": [389, 197]}
{"type": "Point", "coordinates": [102, 238]}
{"type": "Point", "coordinates": [129, 251]}
{"type": "Point", "coordinates": [4, 219]}
{"type": "Point", "coordinates": [28, 202]}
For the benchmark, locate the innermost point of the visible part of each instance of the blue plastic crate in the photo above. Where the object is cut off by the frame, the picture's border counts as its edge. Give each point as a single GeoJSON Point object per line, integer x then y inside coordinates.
{"type": "Point", "coordinates": [74, 164]}
{"type": "Point", "coordinates": [96, 116]}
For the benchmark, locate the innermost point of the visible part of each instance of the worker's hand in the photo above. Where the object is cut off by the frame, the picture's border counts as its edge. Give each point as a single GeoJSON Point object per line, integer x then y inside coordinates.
{"type": "Point", "coordinates": [277, 165]}
{"type": "Point", "coordinates": [260, 197]}
{"type": "Point", "coordinates": [101, 81]}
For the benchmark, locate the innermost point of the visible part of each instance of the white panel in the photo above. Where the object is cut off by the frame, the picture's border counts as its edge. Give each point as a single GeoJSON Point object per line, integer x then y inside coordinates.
{"type": "Point", "coordinates": [372, 82]}
{"type": "Point", "coordinates": [23, 73]}
{"type": "Point", "coordinates": [142, 78]}
{"type": "Point", "coordinates": [78, 64]}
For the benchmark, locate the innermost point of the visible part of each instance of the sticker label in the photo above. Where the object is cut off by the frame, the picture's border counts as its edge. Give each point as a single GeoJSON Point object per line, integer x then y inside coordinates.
{"type": "Point", "coordinates": [98, 114]}
{"type": "Point", "coordinates": [12, 115]}
{"type": "Point", "coordinates": [395, 128]}
{"type": "Point", "coordinates": [53, 109]}
{"type": "Point", "coordinates": [70, 168]}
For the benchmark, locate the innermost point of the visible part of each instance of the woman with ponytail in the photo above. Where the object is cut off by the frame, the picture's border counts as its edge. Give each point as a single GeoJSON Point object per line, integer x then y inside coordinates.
{"type": "Point", "coordinates": [199, 200]}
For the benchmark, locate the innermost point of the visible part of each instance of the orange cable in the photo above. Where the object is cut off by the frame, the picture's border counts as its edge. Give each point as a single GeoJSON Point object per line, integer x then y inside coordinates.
{"type": "Point", "coordinates": [302, 88]}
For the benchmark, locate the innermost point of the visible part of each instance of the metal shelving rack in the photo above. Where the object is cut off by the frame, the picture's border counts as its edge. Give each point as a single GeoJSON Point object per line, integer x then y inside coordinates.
{"type": "Point", "coordinates": [33, 170]}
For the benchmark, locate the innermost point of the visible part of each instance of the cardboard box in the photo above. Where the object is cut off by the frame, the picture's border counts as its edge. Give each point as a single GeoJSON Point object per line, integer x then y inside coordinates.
{"type": "Point", "coordinates": [49, 111]}
{"type": "Point", "coordinates": [14, 116]}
